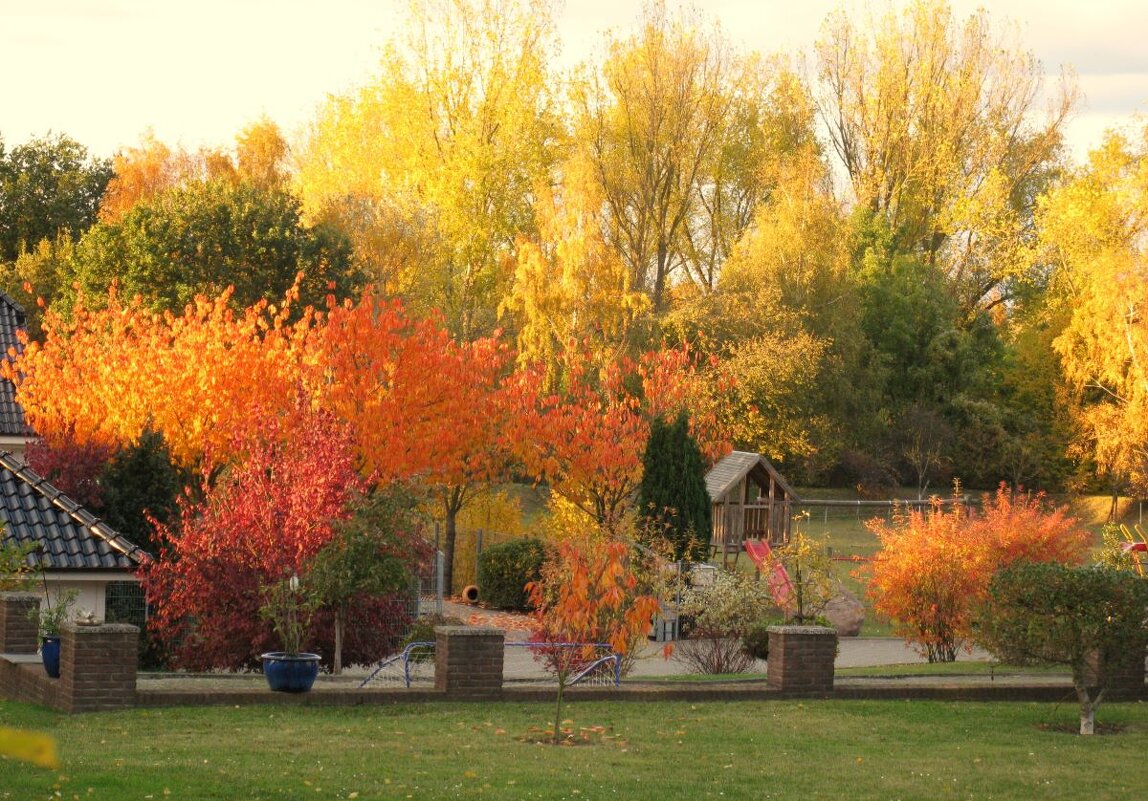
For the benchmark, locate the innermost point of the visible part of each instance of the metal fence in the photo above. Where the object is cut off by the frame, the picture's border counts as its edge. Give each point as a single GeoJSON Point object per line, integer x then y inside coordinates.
{"type": "Point", "coordinates": [124, 603]}
{"type": "Point", "coordinates": [426, 590]}
{"type": "Point", "coordinates": [524, 664]}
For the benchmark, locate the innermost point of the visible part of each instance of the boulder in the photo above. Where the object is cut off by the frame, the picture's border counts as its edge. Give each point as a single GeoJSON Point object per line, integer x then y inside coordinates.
{"type": "Point", "coordinates": [846, 613]}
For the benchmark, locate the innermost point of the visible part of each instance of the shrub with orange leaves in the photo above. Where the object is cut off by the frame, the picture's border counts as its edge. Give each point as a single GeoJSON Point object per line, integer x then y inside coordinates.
{"type": "Point", "coordinates": [588, 595]}
{"type": "Point", "coordinates": [935, 565]}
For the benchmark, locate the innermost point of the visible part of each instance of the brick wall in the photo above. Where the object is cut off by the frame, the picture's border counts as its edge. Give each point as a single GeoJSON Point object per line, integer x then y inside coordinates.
{"type": "Point", "coordinates": [98, 666]}
{"type": "Point", "coordinates": [18, 627]}
{"type": "Point", "coordinates": [468, 661]}
{"type": "Point", "coordinates": [801, 658]}
{"type": "Point", "coordinates": [97, 663]}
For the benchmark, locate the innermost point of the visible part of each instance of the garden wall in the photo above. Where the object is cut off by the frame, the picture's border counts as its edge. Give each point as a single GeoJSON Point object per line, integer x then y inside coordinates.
{"type": "Point", "coordinates": [98, 671]}
{"type": "Point", "coordinates": [97, 663]}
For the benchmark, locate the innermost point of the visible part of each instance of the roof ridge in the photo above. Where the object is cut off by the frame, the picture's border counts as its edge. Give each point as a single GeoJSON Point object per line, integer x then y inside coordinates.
{"type": "Point", "coordinates": [15, 304]}
{"type": "Point", "coordinates": [72, 508]}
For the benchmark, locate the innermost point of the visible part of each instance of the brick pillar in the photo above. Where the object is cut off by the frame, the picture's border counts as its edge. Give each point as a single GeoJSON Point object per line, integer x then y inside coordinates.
{"type": "Point", "coordinates": [19, 629]}
{"type": "Point", "coordinates": [801, 658]}
{"type": "Point", "coordinates": [468, 660]}
{"type": "Point", "coordinates": [98, 666]}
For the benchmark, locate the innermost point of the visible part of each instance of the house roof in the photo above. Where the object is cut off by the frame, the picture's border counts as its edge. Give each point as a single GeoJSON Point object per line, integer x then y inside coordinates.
{"type": "Point", "coordinates": [735, 466]}
{"type": "Point", "coordinates": [70, 537]}
{"type": "Point", "coordinates": [12, 319]}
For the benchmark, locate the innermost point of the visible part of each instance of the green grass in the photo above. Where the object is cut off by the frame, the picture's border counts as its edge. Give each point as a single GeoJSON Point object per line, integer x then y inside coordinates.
{"type": "Point", "coordinates": [746, 750]}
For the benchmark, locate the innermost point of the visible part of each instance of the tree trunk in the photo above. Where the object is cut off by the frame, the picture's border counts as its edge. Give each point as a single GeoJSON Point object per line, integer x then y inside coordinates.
{"type": "Point", "coordinates": [453, 499]}
{"type": "Point", "coordinates": [558, 708]}
{"type": "Point", "coordinates": [337, 659]}
{"type": "Point", "coordinates": [1088, 706]}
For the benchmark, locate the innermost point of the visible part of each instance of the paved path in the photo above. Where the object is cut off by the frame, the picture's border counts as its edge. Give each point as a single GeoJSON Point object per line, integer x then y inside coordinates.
{"type": "Point", "coordinates": [851, 652]}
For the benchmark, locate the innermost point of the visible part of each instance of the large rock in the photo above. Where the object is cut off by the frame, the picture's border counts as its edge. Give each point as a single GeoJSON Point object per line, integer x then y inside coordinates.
{"type": "Point", "coordinates": [846, 613]}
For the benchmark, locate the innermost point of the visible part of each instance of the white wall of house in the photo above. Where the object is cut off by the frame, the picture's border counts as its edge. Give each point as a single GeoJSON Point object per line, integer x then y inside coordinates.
{"type": "Point", "coordinates": [91, 586]}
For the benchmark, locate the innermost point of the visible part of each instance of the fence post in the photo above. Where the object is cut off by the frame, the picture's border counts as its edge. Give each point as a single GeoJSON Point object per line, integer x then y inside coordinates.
{"type": "Point", "coordinates": [477, 552]}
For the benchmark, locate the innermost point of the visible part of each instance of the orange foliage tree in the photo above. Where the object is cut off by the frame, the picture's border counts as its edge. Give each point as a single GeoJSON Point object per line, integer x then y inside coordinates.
{"type": "Point", "coordinates": [586, 438]}
{"type": "Point", "coordinates": [935, 565]}
{"type": "Point", "coordinates": [420, 404]}
{"type": "Point", "coordinates": [106, 375]}
{"type": "Point", "coordinates": [589, 594]}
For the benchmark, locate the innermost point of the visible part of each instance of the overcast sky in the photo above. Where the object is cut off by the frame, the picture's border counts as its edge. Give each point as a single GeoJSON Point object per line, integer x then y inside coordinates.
{"type": "Point", "coordinates": [198, 71]}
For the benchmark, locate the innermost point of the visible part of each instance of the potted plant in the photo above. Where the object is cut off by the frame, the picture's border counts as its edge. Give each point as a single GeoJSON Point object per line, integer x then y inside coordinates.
{"type": "Point", "coordinates": [289, 608]}
{"type": "Point", "coordinates": [51, 617]}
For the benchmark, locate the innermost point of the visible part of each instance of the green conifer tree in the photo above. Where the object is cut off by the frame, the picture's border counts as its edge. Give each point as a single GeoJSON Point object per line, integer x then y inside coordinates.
{"type": "Point", "coordinates": [672, 498]}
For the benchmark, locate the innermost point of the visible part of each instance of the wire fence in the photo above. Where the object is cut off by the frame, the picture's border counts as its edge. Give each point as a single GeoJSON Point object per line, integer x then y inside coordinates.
{"type": "Point", "coordinates": [524, 664]}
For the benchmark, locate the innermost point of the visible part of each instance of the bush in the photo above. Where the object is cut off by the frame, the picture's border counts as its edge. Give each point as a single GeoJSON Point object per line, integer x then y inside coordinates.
{"type": "Point", "coordinates": [422, 630]}
{"type": "Point", "coordinates": [1071, 616]}
{"type": "Point", "coordinates": [722, 614]}
{"type": "Point", "coordinates": [755, 642]}
{"type": "Point", "coordinates": [505, 570]}
{"type": "Point", "coordinates": [935, 565]}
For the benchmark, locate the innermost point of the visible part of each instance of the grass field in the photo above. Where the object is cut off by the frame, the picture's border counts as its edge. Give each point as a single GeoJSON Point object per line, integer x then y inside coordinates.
{"type": "Point", "coordinates": [671, 750]}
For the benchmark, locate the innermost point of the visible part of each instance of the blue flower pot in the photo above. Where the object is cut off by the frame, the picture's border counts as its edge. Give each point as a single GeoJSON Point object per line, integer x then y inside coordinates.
{"type": "Point", "coordinates": [290, 673]}
{"type": "Point", "coordinates": [50, 653]}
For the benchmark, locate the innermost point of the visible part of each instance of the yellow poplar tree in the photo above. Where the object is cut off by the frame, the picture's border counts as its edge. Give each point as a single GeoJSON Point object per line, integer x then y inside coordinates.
{"type": "Point", "coordinates": [432, 164]}
{"type": "Point", "coordinates": [934, 121]}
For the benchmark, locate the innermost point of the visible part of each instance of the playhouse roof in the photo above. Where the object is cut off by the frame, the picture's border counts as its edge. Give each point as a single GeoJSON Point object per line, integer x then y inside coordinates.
{"type": "Point", "coordinates": [728, 473]}
{"type": "Point", "coordinates": [69, 536]}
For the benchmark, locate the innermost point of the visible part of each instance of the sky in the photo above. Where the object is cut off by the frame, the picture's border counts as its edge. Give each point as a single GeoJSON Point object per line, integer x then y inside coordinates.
{"type": "Point", "coordinates": [196, 72]}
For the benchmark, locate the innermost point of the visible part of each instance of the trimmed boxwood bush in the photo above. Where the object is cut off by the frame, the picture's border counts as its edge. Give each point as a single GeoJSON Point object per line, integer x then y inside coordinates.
{"type": "Point", "coordinates": [504, 571]}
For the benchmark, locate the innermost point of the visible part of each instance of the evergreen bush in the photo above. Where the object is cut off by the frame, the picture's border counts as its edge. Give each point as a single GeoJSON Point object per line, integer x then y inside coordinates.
{"type": "Point", "coordinates": [504, 571]}
{"type": "Point", "coordinates": [672, 497]}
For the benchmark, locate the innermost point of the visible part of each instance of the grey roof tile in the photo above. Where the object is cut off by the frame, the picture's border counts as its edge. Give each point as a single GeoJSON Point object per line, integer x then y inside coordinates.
{"type": "Point", "coordinates": [12, 320]}
{"type": "Point", "coordinates": [34, 511]}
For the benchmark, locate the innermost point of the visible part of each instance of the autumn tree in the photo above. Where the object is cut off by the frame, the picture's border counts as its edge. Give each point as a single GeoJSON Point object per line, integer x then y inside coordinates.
{"type": "Point", "coordinates": [72, 464]}
{"type": "Point", "coordinates": [421, 405]}
{"type": "Point", "coordinates": [587, 596]}
{"type": "Point", "coordinates": [661, 124]}
{"type": "Point", "coordinates": [585, 433]}
{"type": "Point", "coordinates": [261, 154]}
{"type": "Point", "coordinates": [142, 172]}
{"type": "Point", "coordinates": [1094, 227]}
{"type": "Point", "coordinates": [934, 122]}
{"type": "Point", "coordinates": [570, 284]}
{"type": "Point", "coordinates": [936, 564]}
{"type": "Point", "coordinates": [432, 164]}
{"type": "Point", "coordinates": [205, 369]}
{"type": "Point", "coordinates": [264, 518]}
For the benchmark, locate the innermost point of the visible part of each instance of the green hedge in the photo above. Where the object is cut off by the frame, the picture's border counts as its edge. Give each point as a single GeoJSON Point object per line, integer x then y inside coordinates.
{"type": "Point", "coordinates": [505, 570]}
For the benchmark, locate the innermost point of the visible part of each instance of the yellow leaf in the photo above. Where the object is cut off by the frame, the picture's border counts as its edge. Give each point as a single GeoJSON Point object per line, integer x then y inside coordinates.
{"type": "Point", "coordinates": [27, 746]}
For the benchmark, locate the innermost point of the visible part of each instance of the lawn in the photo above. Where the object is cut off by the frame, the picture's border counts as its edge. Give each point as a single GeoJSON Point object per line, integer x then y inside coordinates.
{"type": "Point", "coordinates": [747, 750]}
